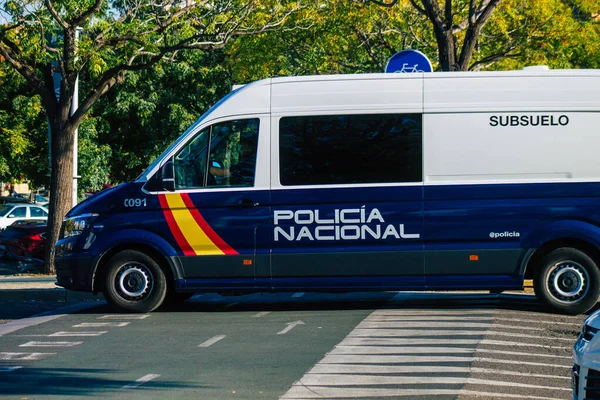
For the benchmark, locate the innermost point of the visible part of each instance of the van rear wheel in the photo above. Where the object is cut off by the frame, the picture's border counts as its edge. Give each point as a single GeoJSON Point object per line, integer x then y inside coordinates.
{"type": "Point", "coordinates": [134, 282]}
{"type": "Point", "coordinates": [568, 281]}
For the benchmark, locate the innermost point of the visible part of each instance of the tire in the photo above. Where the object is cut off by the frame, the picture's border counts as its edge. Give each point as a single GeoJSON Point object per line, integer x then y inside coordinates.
{"type": "Point", "coordinates": [568, 281]}
{"type": "Point", "coordinates": [134, 282]}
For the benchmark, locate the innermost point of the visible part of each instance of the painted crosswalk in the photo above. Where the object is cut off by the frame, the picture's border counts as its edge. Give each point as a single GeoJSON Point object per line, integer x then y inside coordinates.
{"type": "Point", "coordinates": [443, 353]}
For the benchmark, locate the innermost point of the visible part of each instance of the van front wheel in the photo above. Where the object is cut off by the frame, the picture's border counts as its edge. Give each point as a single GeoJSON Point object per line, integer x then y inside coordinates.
{"type": "Point", "coordinates": [568, 281]}
{"type": "Point", "coordinates": [134, 282]}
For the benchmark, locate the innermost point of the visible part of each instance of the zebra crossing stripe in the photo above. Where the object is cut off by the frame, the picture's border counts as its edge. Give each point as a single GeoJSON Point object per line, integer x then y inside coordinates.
{"type": "Point", "coordinates": [364, 341]}
{"type": "Point", "coordinates": [432, 350]}
{"type": "Point", "coordinates": [355, 380]}
{"type": "Point", "coordinates": [443, 332]}
{"type": "Point", "coordinates": [413, 369]}
{"type": "Point", "coordinates": [319, 392]}
{"type": "Point", "coordinates": [433, 324]}
{"type": "Point", "coordinates": [395, 359]}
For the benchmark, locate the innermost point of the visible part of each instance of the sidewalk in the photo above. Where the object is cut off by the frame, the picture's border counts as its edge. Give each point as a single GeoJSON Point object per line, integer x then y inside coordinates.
{"type": "Point", "coordinates": [39, 288]}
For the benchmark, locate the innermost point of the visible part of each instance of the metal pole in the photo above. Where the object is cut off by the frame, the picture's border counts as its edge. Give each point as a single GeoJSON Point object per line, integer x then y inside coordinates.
{"type": "Point", "coordinates": [74, 106]}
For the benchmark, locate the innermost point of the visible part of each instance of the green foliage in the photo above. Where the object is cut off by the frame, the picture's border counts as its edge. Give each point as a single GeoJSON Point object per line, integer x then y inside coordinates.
{"type": "Point", "coordinates": [94, 158]}
{"type": "Point", "coordinates": [134, 122]}
{"type": "Point", "coordinates": [152, 108]}
{"type": "Point", "coordinates": [23, 134]}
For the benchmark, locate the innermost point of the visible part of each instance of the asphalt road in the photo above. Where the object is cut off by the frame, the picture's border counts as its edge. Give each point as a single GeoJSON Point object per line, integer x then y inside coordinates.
{"type": "Point", "coordinates": [297, 346]}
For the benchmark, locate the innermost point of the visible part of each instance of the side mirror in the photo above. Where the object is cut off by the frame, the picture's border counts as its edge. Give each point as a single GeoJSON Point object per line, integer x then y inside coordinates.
{"type": "Point", "coordinates": [11, 216]}
{"type": "Point", "coordinates": [168, 176]}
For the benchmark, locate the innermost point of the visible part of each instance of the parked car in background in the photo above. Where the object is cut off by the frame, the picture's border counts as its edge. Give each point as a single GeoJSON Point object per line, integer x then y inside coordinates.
{"type": "Point", "coordinates": [12, 199]}
{"type": "Point", "coordinates": [25, 240]}
{"type": "Point", "coordinates": [37, 199]}
{"type": "Point", "coordinates": [12, 212]}
{"type": "Point", "coordinates": [586, 360]}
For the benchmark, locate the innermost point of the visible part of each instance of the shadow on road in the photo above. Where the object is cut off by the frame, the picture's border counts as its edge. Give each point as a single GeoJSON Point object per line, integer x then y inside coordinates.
{"type": "Point", "coordinates": [211, 302]}
{"type": "Point", "coordinates": [76, 382]}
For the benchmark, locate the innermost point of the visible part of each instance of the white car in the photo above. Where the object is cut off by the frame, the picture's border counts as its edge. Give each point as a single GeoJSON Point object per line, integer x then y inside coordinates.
{"type": "Point", "coordinates": [10, 213]}
{"type": "Point", "coordinates": [586, 358]}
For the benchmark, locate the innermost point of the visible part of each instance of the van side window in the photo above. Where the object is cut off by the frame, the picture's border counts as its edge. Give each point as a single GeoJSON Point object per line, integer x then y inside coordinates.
{"type": "Point", "coordinates": [346, 149]}
{"type": "Point", "coordinates": [231, 160]}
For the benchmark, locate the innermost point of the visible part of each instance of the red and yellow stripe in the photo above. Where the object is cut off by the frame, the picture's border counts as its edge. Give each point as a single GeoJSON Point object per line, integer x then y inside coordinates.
{"type": "Point", "coordinates": [191, 231]}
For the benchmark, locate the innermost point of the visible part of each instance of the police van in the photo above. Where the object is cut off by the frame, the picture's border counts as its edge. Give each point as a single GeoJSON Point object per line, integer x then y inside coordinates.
{"type": "Point", "coordinates": [388, 182]}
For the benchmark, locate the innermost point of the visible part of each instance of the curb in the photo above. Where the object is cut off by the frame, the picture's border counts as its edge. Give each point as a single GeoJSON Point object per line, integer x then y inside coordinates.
{"type": "Point", "coordinates": [58, 295]}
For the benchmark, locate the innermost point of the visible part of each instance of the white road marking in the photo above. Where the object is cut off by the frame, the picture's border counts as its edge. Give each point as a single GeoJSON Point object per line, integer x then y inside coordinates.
{"type": "Point", "coordinates": [430, 318]}
{"type": "Point", "coordinates": [440, 332]}
{"type": "Point", "coordinates": [101, 325]}
{"type": "Point", "coordinates": [125, 316]}
{"type": "Point", "coordinates": [318, 392]}
{"type": "Point", "coordinates": [44, 317]}
{"type": "Point", "coordinates": [9, 368]}
{"type": "Point", "coordinates": [289, 327]}
{"type": "Point", "coordinates": [261, 314]}
{"type": "Point", "coordinates": [212, 341]}
{"type": "Point", "coordinates": [469, 312]}
{"type": "Point", "coordinates": [76, 334]}
{"type": "Point", "coordinates": [24, 356]}
{"type": "Point", "coordinates": [535, 321]}
{"type": "Point", "coordinates": [432, 350]}
{"type": "Point", "coordinates": [436, 325]}
{"type": "Point", "coordinates": [514, 373]}
{"type": "Point", "coordinates": [389, 359]}
{"type": "Point", "coordinates": [141, 381]}
{"type": "Point", "coordinates": [355, 380]}
{"type": "Point", "coordinates": [359, 341]}
{"type": "Point", "coordinates": [483, 317]}
{"type": "Point", "coordinates": [50, 344]}
{"type": "Point", "coordinates": [413, 369]}
{"type": "Point", "coordinates": [299, 294]}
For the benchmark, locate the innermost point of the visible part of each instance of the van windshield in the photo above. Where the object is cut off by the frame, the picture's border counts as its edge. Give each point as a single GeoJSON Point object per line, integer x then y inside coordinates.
{"type": "Point", "coordinates": [4, 210]}
{"type": "Point", "coordinates": [144, 176]}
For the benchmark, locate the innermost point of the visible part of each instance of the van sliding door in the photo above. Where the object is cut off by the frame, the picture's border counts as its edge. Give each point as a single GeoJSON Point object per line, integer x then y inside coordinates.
{"type": "Point", "coordinates": [347, 202]}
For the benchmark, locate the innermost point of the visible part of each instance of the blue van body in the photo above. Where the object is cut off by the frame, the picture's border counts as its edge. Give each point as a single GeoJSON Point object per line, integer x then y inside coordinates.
{"type": "Point", "coordinates": [464, 214]}
{"type": "Point", "coordinates": [453, 222]}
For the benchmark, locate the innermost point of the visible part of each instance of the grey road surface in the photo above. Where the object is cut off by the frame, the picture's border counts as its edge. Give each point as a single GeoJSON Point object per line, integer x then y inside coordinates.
{"type": "Point", "coordinates": [298, 346]}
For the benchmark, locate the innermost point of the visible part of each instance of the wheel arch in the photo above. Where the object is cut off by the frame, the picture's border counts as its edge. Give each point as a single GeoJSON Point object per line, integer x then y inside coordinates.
{"type": "Point", "coordinates": [533, 262]}
{"type": "Point", "coordinates": [169, 265]}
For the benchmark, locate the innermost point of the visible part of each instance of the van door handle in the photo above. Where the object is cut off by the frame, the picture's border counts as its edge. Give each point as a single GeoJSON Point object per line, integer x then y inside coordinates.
{"type": "Point", "coordinates": [245, 203]}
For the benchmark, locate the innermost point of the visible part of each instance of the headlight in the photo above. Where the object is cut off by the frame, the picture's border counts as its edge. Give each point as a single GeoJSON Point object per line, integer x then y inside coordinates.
{"type": "Point", "coordinates": [74, 226]}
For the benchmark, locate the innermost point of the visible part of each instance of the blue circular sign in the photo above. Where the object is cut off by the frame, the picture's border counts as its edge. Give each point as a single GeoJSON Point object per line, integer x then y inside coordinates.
{"type": "Point", "coordinates": [407, 61]}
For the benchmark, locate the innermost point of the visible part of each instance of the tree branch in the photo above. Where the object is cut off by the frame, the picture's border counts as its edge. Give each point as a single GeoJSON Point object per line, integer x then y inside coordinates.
{"type": "Point", "coordinates": [55, 14]}
{"type": "Point", "coordinates": [418, 8]}
{"type": "Point", "coordinates": [384, 3]}
{"type": "Point", "coordinates": [87, 13]}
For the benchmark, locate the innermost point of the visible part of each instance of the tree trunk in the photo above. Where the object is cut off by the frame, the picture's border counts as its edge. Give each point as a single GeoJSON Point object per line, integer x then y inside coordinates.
{"type": "Point", "coordinates": [61, 184]}
{"type": "Point", "coordinates": [446, 49]}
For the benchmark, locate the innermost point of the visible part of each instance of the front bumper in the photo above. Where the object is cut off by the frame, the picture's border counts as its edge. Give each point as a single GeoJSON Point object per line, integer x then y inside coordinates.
{"type": "Point", "coordinates": [586, 369]}
{"type": "Point", "coordinates": [75, 271]}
